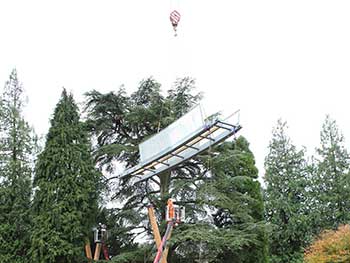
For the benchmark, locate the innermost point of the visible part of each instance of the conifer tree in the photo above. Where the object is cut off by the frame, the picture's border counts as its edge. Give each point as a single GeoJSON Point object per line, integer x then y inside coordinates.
{"type": "Point", "coordinates": [286, 198]}
{"type": "Point", "coordinates": [66, 189]}
{"type": "Point", "coordinates": [120, 123]}
{"type": "Point", "coordinates": [235, 229]}
{"type": "Point", "coordinates": [17, 148]}
{"type": "Point", "coordinates": [237, 179]}
{"type": "Point", "coordinates": [332, 180]}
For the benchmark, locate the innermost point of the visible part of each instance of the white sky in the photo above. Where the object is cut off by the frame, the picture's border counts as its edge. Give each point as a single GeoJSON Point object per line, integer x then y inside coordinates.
{"type": "Point", "coordinates": [270, 59]}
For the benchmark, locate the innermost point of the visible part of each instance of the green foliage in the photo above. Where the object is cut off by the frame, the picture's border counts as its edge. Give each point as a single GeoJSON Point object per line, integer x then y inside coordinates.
{"type": "Point", "coordinates": [120, 225]}
{"type": "Point", "coordinates": [234, 197]}
{"type": "Point", "coordinates": [181, 98]}
{"type": "Point", "coordinates": [332, 179]}
{"type": "Point", "coordinates": [66, 189]}
{"type": "Point", "coordinates": [120, 123]}
{"type": "Point", "coordinates": [203, 242]}
{"type": "Point", "coordinates": [140, 254]}
{"type": "Point", "coordinates": [224, 206]}
{"type": "Point", "coordinates": [224, 185]}
{"type": "Point", "coordinates": [286, 197]}
{"type": "Point", "coordinates": [17, 148]}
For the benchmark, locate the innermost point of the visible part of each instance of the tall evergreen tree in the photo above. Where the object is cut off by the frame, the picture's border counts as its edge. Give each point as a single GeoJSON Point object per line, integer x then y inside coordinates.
{"type": "Point", "coordinates": [235, 230]}
{"type": "Point", "coordinates": [332, 180]}
{"type": "Point", "coordinates": [286, 197]}
{"type": "Point", "coordinates": [120, 123]}
{"type": "Point", "coordinates": [66, 189]}
{"type": "Point", "coordinates": [17, 149]}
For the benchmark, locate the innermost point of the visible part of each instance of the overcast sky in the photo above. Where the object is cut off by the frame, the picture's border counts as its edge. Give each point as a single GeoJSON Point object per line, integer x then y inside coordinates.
{"type": "Point", "coordinates": [270, 59]}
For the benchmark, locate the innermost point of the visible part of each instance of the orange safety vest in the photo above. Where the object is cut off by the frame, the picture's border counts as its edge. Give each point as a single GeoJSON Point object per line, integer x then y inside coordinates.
{"type": "Point", "coordinates": [171, 209]}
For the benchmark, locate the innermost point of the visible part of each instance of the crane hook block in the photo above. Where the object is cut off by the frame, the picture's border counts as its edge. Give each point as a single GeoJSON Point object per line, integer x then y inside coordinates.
{"type": "Point", "coordinates": [175, 19]}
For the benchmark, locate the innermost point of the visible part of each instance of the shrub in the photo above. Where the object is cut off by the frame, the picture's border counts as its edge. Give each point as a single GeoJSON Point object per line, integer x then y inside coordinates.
{"type": "Point", "coordinates": [331, 247]}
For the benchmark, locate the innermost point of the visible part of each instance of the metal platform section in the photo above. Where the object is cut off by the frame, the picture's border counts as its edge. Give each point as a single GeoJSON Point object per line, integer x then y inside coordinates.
{"type": "Point", "coordinates": [181, 141]}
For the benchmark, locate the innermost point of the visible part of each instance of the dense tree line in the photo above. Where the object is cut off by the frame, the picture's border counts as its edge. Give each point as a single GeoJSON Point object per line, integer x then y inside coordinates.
{"type": "Point", "coordinates": [305, 196]}
{"type": "Point", "coordinates": [49, 201]}
{"type": "Point", "coordinates": [49, 218]}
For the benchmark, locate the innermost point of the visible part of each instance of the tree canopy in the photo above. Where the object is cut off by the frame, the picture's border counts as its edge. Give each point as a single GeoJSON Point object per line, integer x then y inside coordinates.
{"type": "Point", "coordinates": [332, 178]}
{"type": "Point", "coordinates": [17, 151]}
{"type": "Point", "coordinates": [120, 122]}
{"type": "Point", "coordinates": [50, 201]}
{"type": "Point", "coordinates": [66, 189]}
{"type": "Point", "coordinates": [233, 226]}
{"type": "Point", "coordinates": [286, 197]}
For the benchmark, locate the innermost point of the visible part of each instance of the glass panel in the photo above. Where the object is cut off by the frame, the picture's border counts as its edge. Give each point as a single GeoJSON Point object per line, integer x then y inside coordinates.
{"type": "Point", "coordinates": [173, 135]}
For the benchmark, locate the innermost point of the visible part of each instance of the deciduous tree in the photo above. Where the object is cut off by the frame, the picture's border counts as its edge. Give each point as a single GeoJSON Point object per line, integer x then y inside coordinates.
{"type": "Point", "coordinates": [331, 246]}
